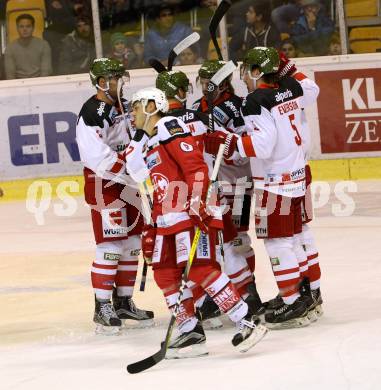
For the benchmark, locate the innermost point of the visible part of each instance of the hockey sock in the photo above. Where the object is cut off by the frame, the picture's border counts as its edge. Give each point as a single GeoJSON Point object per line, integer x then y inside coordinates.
{"type": "Point", "coordinates": [225, 295]}
{"type": "Point", "coordinates": [285, 267]}
{"type": "Point", "coordinates": [301, 256]}
{"type": "Point", "coordinates": [237, 269]}
{"type": "Point", "coordinates": [128, 267]}
{"type": "Point", "coordinates": [104, 268]}
{"type": "Point", "coordinates": [314, 272]}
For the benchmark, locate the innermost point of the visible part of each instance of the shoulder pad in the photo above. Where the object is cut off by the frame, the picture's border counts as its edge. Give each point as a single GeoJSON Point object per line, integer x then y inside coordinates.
{"type": "Point", "coordinates": [95, 112]}
{"type": "Point", "coordinates": [170, 127]}
{"type": "Point", "coordinates": [250, 106]}
{"type": "Point", "coordinates": [290, 85]}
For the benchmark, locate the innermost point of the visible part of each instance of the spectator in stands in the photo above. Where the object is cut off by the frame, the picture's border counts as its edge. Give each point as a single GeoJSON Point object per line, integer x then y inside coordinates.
{"type": "Point", "coordinates": [285, 15]}
{"type": "Point", "coordinates": [78, 50]}
{"type": "Point", "coordinates": [334, 48]}
{"type": "Point", "coordinates": [164, 35]}
{"type": "Point", "coordinates": [61, 20]}
{"type": "Point", "coordinates": [313, 29]}
{"type": "Point", "coordinates": [121, 50]}
{"type": "Point", "coordinates": [289, 48]}
{"type": "Point", "coordinates": [27, 56]}
{"type": "Point", "coordinates": [138, 47]}
{"type": "Point", "coordinates": [189, 56]}
{"type": "Point", "coordinates": [258, 31]}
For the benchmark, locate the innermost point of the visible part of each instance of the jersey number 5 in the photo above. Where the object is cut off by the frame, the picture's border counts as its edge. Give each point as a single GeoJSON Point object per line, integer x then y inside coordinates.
{"type": "Point", "coordinates": [298, 139]}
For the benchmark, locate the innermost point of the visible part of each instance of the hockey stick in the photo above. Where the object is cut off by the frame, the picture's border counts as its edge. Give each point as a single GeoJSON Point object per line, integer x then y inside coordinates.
{"type": "Point", "coordinates": [147, 207]}
{"type": "Point", "coordinates": [215, 21]}
{"type": "Point", "coordinates": [157, 65]}
{"type": "Point", "coordinates": [152, 360]}
{"type": "Point", "coordinates": [215, 81]}
{"type": "Point", "coordinates": [186, 42]}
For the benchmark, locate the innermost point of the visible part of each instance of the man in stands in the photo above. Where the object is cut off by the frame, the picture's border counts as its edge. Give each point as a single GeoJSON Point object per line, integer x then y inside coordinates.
{"type": "Point", "coordinates": [27, 56]}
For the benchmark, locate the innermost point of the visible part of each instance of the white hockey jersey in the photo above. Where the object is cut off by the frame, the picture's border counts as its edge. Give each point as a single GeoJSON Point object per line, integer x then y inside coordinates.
{"type": "Point", "coordinates": [274, 117]}
{"type": "Point", "coordinates": [102, 138]}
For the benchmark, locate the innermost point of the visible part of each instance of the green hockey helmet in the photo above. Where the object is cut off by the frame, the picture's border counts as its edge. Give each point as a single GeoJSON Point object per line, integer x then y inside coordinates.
{"type": "Point", "coordinates": [209, 68]}
{"type": "Point", "coordinates": [107, 68]}
{"type": "Point", "coordinates": [266, 59]}
{"type": "Point", "coordinates": [170, 81]}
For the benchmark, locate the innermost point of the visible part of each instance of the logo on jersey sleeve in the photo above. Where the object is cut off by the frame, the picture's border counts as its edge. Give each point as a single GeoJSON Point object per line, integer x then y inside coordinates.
{"type": "Point", "coordinates": [153, 160]}
{"type": "Point", "coordinates": [220, 115]}
{"type": "Point", "coordinates": [160, 185]}
{"type": "Point", "coordinates": [101, 108]}
{"type": "Point", "coordinates": [185, 147]}
{"type": "Point", "coordinates": [173, 127]}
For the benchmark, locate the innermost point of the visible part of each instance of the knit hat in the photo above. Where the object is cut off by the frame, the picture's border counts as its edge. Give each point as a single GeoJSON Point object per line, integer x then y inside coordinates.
{"type": "Point", "coordinates": [118, 37]}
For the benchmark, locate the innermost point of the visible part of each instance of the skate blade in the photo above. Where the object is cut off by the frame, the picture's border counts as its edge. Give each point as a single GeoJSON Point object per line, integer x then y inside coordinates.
{"type": "Point", "coordinates": [212, 324]}
{"type": "Point", "coordinates": [258, 334]}
{"type": "Point", "coordinates": [312, 316]}
{"type": "Point", "coordinates": [134, 324]}
{"type": "Point", "coordinates": [300, 322]}
{"type": "Point", "coordinates": [191, 351]}
{"type": "Point", "coordinates": [319, 311]}
{"type": "Point", "coordinates": [107, 330]}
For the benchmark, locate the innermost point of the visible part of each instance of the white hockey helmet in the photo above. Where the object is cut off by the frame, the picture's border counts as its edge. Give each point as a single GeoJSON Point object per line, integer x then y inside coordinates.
{"type": "Point", "coordinates": [146, 94]}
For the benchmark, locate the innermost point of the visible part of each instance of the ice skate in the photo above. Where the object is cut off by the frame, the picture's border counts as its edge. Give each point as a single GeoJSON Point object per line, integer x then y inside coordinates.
{"type": "Point", "coordinates": [107, 321]}
{"type": "Point", "coordinates": [208, 313]}
{"type": "Point", "coordinates": [318, 301]}
{"type": "Point", "coordinates": [254, 301]}
{"type": "Point", "coordinates": [273, 304]}
{"type": "Point", "coordinates": [188, 344]}
{"type": "Point", "coordinates": [129, 314]}
{"type": "Point", "coordinates": [250, 332]}
{"type": "Point", "coordinates": [288, 316]}
{"type": "Point", "coordinates": [306, 295]}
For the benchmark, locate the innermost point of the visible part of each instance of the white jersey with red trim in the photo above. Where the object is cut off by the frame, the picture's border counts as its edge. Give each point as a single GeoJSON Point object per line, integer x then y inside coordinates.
{"type": "Point", "coordinates": [102, 137]}
{"type": "Point", "coordinates": [227, 114]}
{"type": "Point", "coordinates": [177, 171]}
{"type": "Point", "coordinates": [275, 118]}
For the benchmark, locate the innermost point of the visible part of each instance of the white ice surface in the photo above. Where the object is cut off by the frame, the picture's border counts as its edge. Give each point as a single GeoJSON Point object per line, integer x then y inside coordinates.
{"type": "Point", "coordinates": [46, 330]}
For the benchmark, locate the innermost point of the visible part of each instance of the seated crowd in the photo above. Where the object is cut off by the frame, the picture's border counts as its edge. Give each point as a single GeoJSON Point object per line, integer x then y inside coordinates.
{"type": "Point", "coordinates": [299, 28]}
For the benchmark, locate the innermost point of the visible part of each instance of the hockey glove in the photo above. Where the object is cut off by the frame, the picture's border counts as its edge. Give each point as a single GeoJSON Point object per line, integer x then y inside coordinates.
{"type": "Point", "coordinates": [148, 242]}
{"type": "Point", "coordinates": [214, 140]}
{"type": "Point", "coordinates": [199, 213]}
{"type": "Point", "coordinates": [286, 67]}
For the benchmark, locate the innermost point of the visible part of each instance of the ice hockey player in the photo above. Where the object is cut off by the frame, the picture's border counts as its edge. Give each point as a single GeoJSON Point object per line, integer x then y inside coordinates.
{"type": "Point", "coordinates": [309, 265]}
{"type": "Point", "coordinates": [102, 138]}
{"type": "Point", "coordinates": [180, 178]}
{"type": "Point", "coordinates": [175, 85]}
{"type": "Point", "coordinates": [237, 178]}
{"type": "Point", "coordinates": [274, 114]}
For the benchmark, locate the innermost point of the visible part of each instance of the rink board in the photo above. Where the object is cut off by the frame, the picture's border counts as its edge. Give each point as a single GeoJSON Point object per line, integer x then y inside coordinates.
{"type": "Point", "coordinates": [38, 118]}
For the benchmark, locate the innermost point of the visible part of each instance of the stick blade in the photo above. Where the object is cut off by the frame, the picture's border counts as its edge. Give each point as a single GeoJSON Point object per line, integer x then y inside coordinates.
{"type": "Point", "coordinates": [146, 363]}
{"type": "Point", "coordinates": [215, 21]}
{"type": "Point", "coordinates": [186, 42]}
{"type": "Point", "coordinates": [223, 73]}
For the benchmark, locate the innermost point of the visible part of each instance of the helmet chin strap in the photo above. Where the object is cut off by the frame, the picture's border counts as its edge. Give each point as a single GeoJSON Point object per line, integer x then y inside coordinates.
{"type": "Point", "coordinates": [147, 114]}
{"type": "Point", "coordinates": [181, 100]}
{"type": "Point", "coordinates": [255, 78]}
{"type": "Point", "coordinates": [105, 90]}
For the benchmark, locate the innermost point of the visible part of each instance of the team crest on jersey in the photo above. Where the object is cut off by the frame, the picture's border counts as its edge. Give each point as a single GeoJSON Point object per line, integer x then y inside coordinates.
{"type": "Point", "coordinates": [153, 160]}
{"type": "Point", "coordinates": [173, 127]}
{"type": "Point", "coordinates": [185, 147]}
{"type": "Point", "coordinates": [160, 185]}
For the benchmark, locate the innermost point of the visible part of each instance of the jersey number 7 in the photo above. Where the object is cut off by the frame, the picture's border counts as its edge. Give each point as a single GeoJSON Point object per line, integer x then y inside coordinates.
{"type": "Point", "coordinates": [298, 139]}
